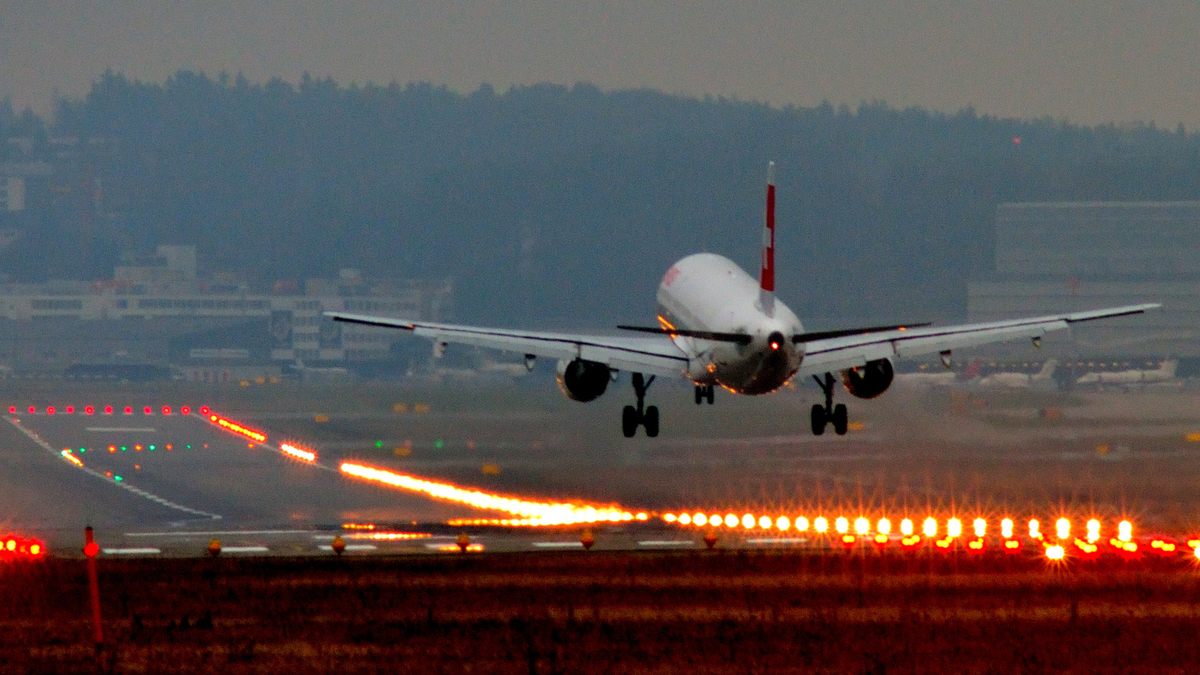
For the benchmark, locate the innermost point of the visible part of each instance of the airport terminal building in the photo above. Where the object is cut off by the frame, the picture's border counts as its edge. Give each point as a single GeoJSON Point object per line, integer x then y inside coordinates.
{"type": "Point", "coordinates": [159, 316]}
{"type": "Point", "coordinates": [1069, 256]}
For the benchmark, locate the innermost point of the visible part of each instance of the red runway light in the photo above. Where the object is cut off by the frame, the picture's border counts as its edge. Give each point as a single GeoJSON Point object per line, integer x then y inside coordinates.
{"type": "Point", "coordinates": [92, 549]}
{"type": "Point", "coordinates": [185, 410]}
{"type": "Point", "coordinates": [32, 410]}
{"type": "Point", "coordinates": [128, 410]}
{"type": "Point", "coordinates": [50, 410]}
{"type": "Point", "coordinates": [70, 410]}
{"type": "Point", "coordinates": [108, 410]}
{"type": "Point", "coordinates": [88, 410]}
{"type": "Point", "coordinates": [148, 410]}
{"type": "Point", "coordinates": [204, 410]}
{"type": "Point", "coordinates": [12, 409]}
{"type": "Point", "coordinates": [166, 410]}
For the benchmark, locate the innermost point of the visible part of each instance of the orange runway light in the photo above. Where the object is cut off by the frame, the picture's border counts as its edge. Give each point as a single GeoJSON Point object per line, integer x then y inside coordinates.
{"type": "Point", "coordinates": [1035, 529]}
{"type": "Point", "coordinates": [980, 527]}
{"type": "Point", "coordinates": [906, 527]}
{"type": "Point", "coordinates": [821, 525]}
{"type": "Point", "coordinates": [862, 525]}
{"type": "Point", "coordinates": [67, 455]}
{"type": "Point", "coordinates": [1012, 546]}
{"type": "Point", "coordinates": [298, 453]}
{"type": "Point", "coordinates": [848, 540]}
{"type": "Point", "coordinates": [930, 527]}
{"type": "Point", "coordinates": [390, 536]}
{"type": "Point", "coordinates": [236, 428]}
{"type": "Point", "coordinates": [1062, 528]}
{"type": "Point", "coordinates": [884, 526]}
{"type": "Point", "coordinates": [358, 526]}
{"type": "Point", "coordinates": [1006, 528]}
{"type": "Point", "coordinates": [538, 513]}
{"type": "Point", "coordinates": [975, 546]}
{"type": "Point", "coordinates": [1055, 552]}
{"type": "Point", "coordinates": [1125, 530]}
{"type": "Point", "coordinates": [842, 525]}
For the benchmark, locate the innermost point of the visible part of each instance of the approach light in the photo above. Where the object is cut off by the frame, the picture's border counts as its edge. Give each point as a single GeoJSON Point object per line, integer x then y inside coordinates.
{"type": "Point", "coordinates": [1006, 528]}
{"type": "Point", "coordinates": [1055, 552]}
{"type": "Point", "coordinates": [821, 525]}
{"type": "Point", "coordinates": [700, 519]}
{"type": "Point", "coordinates": [783, 523]}
{"type": "Point", "coordinates": [1035, 529]}
{"type": "Point", "coordinates": [1093, 530]}
{"type": "Point", "coordinates": [685, 519]}
{"type": "Point", "coordinates": [748, 521]}
{"type": "Point", "coordinates": [884, 526]}
{"type": "Point", "coordinates": [1125, 531]}
{"type": "Point", "coordinates": [862, 525]}
{"type": "Point", "coordinates": [980, 527]}
{"type": "Point", "coordinates": [953, 528]}
{"type": "Point", "coordinates": [731, 520]}
{"type": "Point", "coordinates": [802, 524]}
{"type": "Point", "coordinates": [841, 525]}
{"type": "Point", "coordinates": [765, 522]}
{"type": "Point", "coordinates": [930, 527]}
{"type": "Point", "coordinates": [906, 527]}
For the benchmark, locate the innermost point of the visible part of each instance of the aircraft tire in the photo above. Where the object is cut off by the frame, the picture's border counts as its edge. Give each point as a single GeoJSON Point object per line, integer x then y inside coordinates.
{"type": "Point", "coordinates": [841, 419]}
{"type": "Point", "coordinates": [629, 421]}
{"type": "Point", "coordinates": [699, 394]}
{"type": "Point", "coordinates": [651, 421]}
{"type": "Point", "coordinates": [818, 419]}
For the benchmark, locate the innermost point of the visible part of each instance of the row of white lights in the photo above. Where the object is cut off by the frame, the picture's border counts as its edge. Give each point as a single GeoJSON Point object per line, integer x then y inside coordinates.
{"type": "Point", "coordinates": [862, 526]}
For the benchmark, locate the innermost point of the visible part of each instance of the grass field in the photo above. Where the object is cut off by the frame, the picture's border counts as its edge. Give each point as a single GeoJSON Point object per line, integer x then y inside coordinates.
{"type": "Point", "coordinates": [712, 612]}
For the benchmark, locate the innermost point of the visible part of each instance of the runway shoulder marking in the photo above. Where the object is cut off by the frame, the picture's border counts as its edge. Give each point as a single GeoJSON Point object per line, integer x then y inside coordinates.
{"type": "Point", "coordinates": [147, 430]}
{"type": "Point", "coordinates": [33, 436]}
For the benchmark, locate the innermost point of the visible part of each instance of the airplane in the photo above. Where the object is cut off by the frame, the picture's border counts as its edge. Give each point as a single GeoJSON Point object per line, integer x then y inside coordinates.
{"type": "Point", "coordinates": [1164, 373]}
{"type": "Point", "coordinates": [1045, 376]}
{"type": "Point", "coordinates": [718, 326]}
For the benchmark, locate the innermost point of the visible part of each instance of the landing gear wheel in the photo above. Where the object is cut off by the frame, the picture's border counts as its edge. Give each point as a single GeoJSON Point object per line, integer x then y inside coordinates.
{"type": "Point", "coordinates": [840, 419]}
{"type": "Point", "coordinates": [699, 394]}
{"type": "Point", "coordinates": [818, 419]}
{"type": "Point", "coordinates": [651, 421]}
{"type": "Point", "coordinates": [708, 393]}
{"type": "Point", "coordinates": [630, 421]}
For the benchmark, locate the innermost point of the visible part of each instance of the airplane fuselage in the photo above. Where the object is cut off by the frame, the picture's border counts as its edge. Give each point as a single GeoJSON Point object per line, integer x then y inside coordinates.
{"type": "Point", "coordinates": [709, 292]}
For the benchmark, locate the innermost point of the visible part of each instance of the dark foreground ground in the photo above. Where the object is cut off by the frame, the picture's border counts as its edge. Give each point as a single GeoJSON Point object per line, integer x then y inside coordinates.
{"type": "Point", "coordinates": [718, 612]}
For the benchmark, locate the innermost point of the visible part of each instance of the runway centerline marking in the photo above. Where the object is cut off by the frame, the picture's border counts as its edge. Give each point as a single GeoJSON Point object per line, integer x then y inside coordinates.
{"type": "Point", "coordinates": [148, 430]}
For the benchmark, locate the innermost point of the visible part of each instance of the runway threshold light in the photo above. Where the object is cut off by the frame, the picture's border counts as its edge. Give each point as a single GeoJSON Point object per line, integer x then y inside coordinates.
{"type": "Point", "coordinates": [1062, 528]}
{"type": "Point", "coordinates": [1125, 531]}
{"type": "Point", "coordinates": [930, 527]}
{"type": "Point", "coordinates": [980, 527]}
{"type": "Point", "coordinates": [1006, 528]}
{"type": "Point", "coordinates": [906, 527]}
{"type": "Point", "coordinates": [841, 525]}
{"type": "Point", "coordinates": [954, 528]}
{"type": "Point", "coordinates": [1035, 529]}
{"type": "Point", "coordinates": [1093, 530]}
{"type": "Point", "coordinates": [862, 525]}
{"type": "Point", "coordinates": [821, 525]}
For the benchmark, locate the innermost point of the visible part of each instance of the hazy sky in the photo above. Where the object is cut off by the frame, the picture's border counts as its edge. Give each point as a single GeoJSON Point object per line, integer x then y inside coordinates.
{"type": "Point", "coordinates": [1086, 60]}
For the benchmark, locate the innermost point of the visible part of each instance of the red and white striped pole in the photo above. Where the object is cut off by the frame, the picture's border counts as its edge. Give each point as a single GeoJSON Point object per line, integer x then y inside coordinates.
{"type": "Point", "coordinates": [91, 549]}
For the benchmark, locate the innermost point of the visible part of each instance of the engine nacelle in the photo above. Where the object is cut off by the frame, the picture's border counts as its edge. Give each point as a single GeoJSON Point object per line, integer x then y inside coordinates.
{"type": "Point", "coordinates": [583, 381]}
{"type": "Point", "coordinates": [870, 380]}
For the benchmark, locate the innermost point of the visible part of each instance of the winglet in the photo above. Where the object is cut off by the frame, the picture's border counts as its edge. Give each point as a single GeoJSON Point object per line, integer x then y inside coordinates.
{"type": "Point", "coordinates": [766, 276]}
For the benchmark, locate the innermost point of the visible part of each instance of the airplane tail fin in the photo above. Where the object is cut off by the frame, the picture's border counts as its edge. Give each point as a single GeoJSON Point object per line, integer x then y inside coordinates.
{"type": "Point", "coordinates": [1047, 370]}
{"type": "Point", "coordinates": [766, 275]}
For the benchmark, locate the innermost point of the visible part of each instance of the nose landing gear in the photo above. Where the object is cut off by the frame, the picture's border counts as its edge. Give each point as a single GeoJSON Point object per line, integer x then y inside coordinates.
{"type": "Point", "coordinates": [632, 418]}
{"type": "Point", "coordinates": [704, 392]}
{"type": "Point", "coordinates": [829, 413]}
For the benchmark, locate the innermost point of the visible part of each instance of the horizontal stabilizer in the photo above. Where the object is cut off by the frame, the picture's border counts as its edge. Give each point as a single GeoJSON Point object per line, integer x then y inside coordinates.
{"type": "Point", "coordinates": [825, 335]}
{"type": "Point", "coordinates": [739, 338]}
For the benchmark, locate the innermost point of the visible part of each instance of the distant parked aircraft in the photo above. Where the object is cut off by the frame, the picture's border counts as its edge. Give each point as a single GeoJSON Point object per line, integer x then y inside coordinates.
{"type": "Point", "coordinates": [1045, 376]}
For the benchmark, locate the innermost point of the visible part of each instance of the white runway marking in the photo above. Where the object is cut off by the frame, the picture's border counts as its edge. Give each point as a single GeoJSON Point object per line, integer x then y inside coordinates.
{"type": "Point", "coordinates": [558, 544]}
{"type": "Point", "coordinates": [148, 430]}
{"type": "Point", "coordinates": [130, 551]}
{"type": "Point", "coordinates": [351, 547]}
{"type": "Point", "coordinates": [244, 549]}
{"type": "Point", "coordinates": [215, 533]}
{"type": "Point", "coordinates": [667, 542]}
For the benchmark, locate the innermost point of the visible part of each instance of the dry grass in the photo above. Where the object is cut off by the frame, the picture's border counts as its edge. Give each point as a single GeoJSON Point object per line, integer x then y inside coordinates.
{"type": "Point", "coordinates": [601, 613]}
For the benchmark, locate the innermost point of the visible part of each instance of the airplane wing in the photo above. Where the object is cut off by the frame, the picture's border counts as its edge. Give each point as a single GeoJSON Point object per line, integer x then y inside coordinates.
{"type": "Point", "coordinates": [853, 351]}
{"type": "Point", "coordinates": [655, 355]}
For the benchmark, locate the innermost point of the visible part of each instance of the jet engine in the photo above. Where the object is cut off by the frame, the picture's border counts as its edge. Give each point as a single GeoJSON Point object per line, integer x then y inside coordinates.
{"type": "Point", "coordinates": [870, 380]}
{"type": "Point", "coordinates": [583, 381]}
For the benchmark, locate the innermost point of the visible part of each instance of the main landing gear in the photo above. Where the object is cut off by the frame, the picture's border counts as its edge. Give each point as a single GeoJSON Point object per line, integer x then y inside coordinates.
{"type": "Point", "coordinates": [828, 413]}
{"type": "Point", "coordinates": [704, 392]}
{"type": "Point", "coordinates": [632, 418]}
